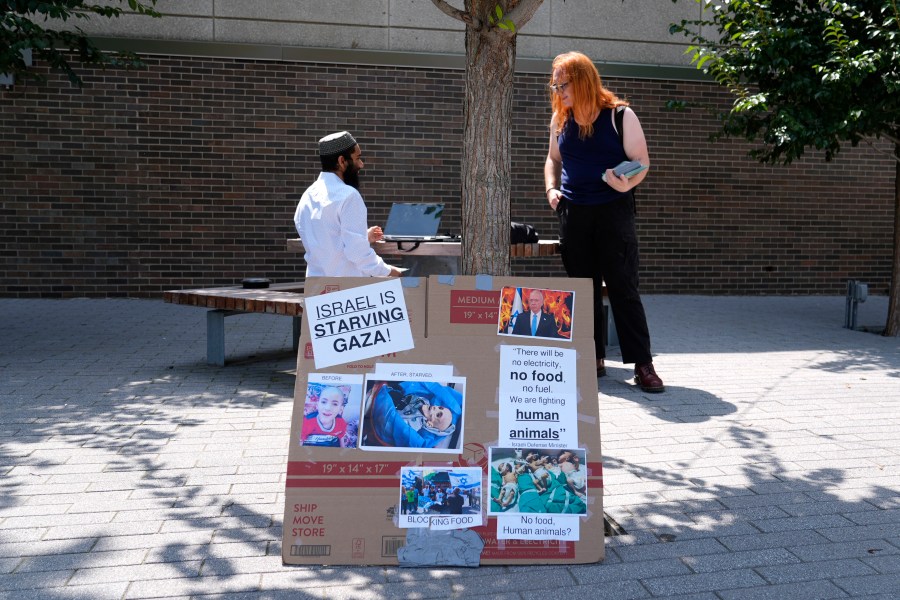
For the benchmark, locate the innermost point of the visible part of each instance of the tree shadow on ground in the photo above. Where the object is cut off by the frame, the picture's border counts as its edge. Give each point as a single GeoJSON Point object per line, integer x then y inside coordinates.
{"type": "Point", "coordinates": [160, 428]}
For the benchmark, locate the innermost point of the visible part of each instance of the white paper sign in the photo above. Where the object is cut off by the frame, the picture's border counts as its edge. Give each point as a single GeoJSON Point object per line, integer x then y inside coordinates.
{"type": "Point", "coordinates": [565, 528]}
{"type": "Point", "coordinates": [358, 323]}
{"type": "Point", "coordinates": [413, 371]}
{"type": "Point", "coordinates": [538, 397]}
{"type": "Point", "coordinates": [456, 521]}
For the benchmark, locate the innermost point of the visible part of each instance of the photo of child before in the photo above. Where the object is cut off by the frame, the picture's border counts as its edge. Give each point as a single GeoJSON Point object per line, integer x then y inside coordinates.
{"type": "Point", "coordinates": [331, 410]}
{"type": "Point", "coordinates": [537, 481]}
{"type": "Point", "coordinates": [420, 415]}
{"type": "Point", "coordinates": [534, 312]}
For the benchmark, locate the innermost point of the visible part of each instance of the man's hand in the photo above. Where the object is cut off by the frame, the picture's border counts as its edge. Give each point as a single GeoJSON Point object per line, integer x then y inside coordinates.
{"type": "Point", "coordinates": [395, 272]}
{"type": "Point", "coordinates": [375, 234]}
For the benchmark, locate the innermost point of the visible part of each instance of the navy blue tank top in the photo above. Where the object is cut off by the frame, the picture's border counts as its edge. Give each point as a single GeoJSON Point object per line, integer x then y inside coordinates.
{"type": "Point", "coordinates": [585, 161]}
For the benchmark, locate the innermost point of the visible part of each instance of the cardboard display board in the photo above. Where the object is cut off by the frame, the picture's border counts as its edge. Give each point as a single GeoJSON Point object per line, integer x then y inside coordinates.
{"type": "Point", "coordinates": [480, 444]}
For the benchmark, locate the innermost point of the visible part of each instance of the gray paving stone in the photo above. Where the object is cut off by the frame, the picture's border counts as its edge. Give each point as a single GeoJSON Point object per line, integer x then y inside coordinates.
{"type": "Point", "coordinates": [185, 587]}
{"type": "Point", "coordinates": [739, 560]}
{"type": "Point", "coordinates": [817, 522]}
{"type": "Point", "coordinates": [886, 585]}
{"type": "Point", "coordinates": [420, 589]}
{"type": "Point", "coordinates": [46, 548]}
{"type": "Point", "coordinates": [803, 432]}
{"type": "Point", "coordinates": [670, 550]}
{"type": "Point", "coordinates": [884, 564]}
{"type": "Point", "coordinates": [703, 582]}
{"type": "Point", "coordinates": [860, 549]}
{"type": "Point", "coordinates": [757, 541]}
{"type": "Point", "coordinates": [595, 574]}
{"type": "Point", "coordinates": [817, 590]}
{"type": "Point", "coordinates": [861, 532]}
{"type": "Point", "coordinates": [612, 590]}
{"type": "Point", "coordinates": [81, 560]}
{"type": "Point", "coordinates": [828, 569]}
{"type": "Point", "coordinates": [34, 581]}
{"type": "Point", "coordinates": [106, 591]}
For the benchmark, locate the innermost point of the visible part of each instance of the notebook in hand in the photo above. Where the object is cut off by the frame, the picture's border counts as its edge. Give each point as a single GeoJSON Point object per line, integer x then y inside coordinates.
{"type": "Point", "coordinates": [414, 222]}
{"type": "Point", "coordinates": [628, 168]}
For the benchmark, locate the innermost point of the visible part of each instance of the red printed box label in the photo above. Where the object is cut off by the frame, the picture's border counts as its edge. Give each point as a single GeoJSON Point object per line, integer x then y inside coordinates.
{"type": "Point", "coordinates": [474, 307]}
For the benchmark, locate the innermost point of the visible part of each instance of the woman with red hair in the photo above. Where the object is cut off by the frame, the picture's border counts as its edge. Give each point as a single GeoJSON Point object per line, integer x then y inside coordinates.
{"type": "Point", "coordinates": [596, 207]}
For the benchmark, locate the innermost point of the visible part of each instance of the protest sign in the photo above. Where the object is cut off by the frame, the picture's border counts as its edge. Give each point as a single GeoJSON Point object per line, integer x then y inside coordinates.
{"type": "Point", "coordinates": [538, 397]}
{"type": "Point", "coordinates": [538, 527]}
{"type": "Point", "coordinates": [358, 323]}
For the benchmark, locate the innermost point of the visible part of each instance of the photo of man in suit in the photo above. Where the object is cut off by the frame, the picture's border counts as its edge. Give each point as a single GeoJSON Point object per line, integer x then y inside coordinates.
{"type": "Point", "coordinates": [535, 322]}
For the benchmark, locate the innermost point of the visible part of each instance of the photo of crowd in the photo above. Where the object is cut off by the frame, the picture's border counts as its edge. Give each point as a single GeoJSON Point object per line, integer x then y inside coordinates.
{"type": "Point", "coordinates": [537, 481]}
{"type": "Point", "coordinates": [428, 491]}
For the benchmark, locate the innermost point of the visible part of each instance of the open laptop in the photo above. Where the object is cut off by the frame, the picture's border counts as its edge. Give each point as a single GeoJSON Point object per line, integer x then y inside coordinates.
{"type": "Point", "coordinates": [414, 222]}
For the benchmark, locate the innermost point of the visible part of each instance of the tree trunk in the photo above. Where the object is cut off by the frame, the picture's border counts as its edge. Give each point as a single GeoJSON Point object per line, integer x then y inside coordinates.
{"type": "Point", "coordinates": [892, 327]}
{"type": "Point", "coordinates": [490, 64]}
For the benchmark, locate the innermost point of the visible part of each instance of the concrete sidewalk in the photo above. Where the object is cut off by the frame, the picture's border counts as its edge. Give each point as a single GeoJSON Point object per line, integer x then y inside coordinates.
{"type": "Point", "coordinates": [131, 469]}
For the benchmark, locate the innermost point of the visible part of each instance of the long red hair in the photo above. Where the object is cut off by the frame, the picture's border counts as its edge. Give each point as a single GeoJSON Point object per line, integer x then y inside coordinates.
{"type": "Point", "coordinates": [587, 91]}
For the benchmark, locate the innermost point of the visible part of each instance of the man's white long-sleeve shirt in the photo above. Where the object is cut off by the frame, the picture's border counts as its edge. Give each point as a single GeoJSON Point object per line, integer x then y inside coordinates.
{"type": "Point", "coordinates": [331, 220]}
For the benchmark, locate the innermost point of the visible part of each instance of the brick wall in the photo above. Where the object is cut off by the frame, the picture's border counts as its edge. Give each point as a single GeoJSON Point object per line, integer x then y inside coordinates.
{"type": "Point", "coordinates": [187, 173]}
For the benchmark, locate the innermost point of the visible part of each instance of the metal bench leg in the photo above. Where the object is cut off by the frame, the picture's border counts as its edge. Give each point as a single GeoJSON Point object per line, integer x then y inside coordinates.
{"type": "Point", "coordinates": [215, 337]}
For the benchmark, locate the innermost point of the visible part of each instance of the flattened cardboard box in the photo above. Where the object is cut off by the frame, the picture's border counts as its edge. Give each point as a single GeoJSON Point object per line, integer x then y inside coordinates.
{"type": "Point", "coordinates": [341, 504]}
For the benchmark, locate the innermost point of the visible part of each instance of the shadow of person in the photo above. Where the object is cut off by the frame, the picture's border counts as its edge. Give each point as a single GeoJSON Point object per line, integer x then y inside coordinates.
{"type": "Point", "coordinates": [677, 404]}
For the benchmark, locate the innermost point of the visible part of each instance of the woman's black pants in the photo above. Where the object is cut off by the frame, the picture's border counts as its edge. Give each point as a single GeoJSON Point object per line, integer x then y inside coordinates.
{"type": "Point", "coordinates": [600, 243]}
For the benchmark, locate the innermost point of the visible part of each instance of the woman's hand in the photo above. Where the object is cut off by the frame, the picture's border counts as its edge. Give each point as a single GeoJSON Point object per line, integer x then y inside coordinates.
{"type": "Point", "coordinates": [553, 197]}
{"type": "Point", "coordinates": [617, 182]}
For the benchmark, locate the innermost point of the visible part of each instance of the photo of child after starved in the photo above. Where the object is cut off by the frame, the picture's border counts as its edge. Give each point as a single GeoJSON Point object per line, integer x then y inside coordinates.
{"type": "Point", "coordinates": [329, 417]}
{"type": "Point", "coordinates": [535, 480]}
{"type": "Point", "coordinates": [419, 415]}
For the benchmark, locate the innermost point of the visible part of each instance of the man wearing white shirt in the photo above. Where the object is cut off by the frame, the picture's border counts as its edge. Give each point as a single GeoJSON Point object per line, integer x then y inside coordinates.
{"type": "Point", "coordinates": [331, 217]}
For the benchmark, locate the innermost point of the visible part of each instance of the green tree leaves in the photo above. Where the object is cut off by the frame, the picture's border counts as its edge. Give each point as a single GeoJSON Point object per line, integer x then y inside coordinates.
{"type": "Point", "coordinates": [808, 74]}
{"type": "Point", "coordinates": [23, 26]}
{"type": "Point", "coordinates": [501, 21]}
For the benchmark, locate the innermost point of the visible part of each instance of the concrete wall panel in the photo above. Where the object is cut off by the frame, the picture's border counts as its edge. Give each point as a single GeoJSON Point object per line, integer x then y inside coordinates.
{"type": "Point", "coordinates": [352, 14]}
{"type": "Point", "coordinates": [198, 8]}
{"type": "Point", "coordinates": [169, 27]}
{"type": "Point", "coordinates": [420, 40]}
{"type": "Point", "coordinates": [632, 31]}
{"type": "Point", "coordinates": [302, 34]}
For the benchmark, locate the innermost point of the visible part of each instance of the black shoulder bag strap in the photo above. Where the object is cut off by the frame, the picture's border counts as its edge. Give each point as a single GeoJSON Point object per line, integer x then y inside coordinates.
{"type": "Point", "coordinates": [620, 120]}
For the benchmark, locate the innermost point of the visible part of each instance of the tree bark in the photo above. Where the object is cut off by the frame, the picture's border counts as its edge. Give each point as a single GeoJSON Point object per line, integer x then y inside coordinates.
{"type": "Point", "coordinates": [490, 64]}
{"type": "Point", "coordinates": [487, 116]}
{"type": "Point", "coordinates": [892, 327]}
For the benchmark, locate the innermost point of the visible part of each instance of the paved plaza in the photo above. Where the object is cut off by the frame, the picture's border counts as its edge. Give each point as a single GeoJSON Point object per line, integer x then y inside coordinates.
{"type": "Point", "coordinates": [129, 468]}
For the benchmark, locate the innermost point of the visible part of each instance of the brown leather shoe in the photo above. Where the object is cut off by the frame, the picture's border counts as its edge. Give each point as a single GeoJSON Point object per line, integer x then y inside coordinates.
{"type": "Point", "coordinates": [601, 368]}
{"type": "Point", "coordinates": [646, 377]}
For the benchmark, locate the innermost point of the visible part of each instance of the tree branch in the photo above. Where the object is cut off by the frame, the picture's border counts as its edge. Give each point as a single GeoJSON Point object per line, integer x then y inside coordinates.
{"type": "Point", "coordinates": [459, 15]}
{"type": "Point", "coordinates": [891, 138]}
{"type": "Point", "coordinates": [522, 12]}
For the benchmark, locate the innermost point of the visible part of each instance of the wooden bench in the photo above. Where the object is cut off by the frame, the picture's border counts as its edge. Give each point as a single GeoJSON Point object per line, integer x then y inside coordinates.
{"type": "Point", "coordinates": [278, 299]}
